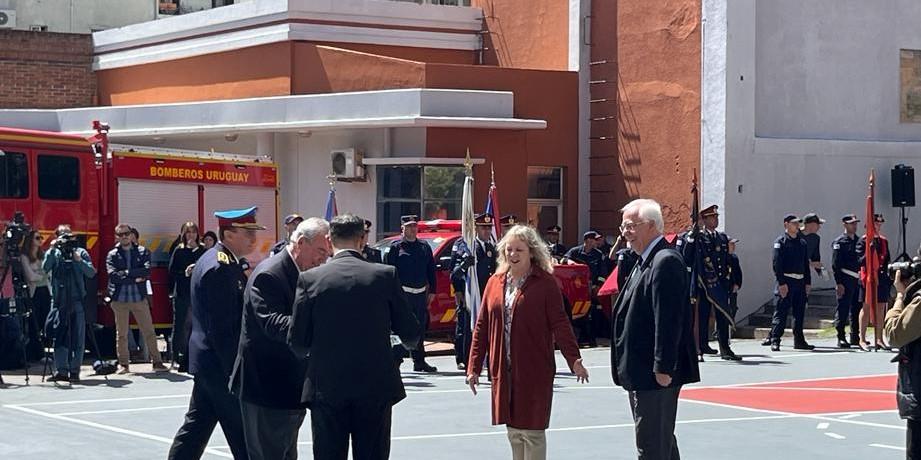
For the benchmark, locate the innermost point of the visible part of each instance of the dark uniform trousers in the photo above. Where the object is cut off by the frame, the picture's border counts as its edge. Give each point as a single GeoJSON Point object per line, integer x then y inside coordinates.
{"type": "Point", "coordinates": [368, 422]}
{"type": "Point", "coordinates": [703, 323]}
{"type": "Point", "coordinates": [796, 301]}
{"type": "Point", "coordinates": [654, 413]}
{"type": "Point", "coordinates": [462, 334]}
{"type": "Point", "coordinates": [271, 434]}
{"type": "Point", "coordinates": [211, 403]}
{"type": "Point", "coordinates": [419, 305]}
{"type": "Point", "coordinates": [849, 306]}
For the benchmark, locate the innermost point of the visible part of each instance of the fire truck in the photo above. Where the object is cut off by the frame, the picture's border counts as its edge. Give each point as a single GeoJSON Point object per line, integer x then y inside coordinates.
{"type": "Point", "coordinates": [55, 178]}
{"type": "Point", "coordinates": [440, 235]}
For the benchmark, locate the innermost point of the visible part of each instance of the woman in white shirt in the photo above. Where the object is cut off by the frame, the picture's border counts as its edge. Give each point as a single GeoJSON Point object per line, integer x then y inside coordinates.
{"type": "Point", "coordinates": [38, 280]}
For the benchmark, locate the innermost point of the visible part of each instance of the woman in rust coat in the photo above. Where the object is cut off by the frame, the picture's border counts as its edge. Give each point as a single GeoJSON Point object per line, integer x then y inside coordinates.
{"type": "Point", "coordinates": [520, 319]}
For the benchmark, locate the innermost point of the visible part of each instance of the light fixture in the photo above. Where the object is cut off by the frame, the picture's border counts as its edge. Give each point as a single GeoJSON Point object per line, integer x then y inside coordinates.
{"type": "Point", "coordinates": [231, 137]}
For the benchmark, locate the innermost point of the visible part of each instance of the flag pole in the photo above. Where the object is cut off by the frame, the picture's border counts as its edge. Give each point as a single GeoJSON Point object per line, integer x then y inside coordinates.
{"type": "Point", "coordinates": [694, 235]}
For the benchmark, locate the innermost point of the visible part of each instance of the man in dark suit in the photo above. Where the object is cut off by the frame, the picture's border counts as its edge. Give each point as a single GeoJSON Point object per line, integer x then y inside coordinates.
{"type": "Point", "coordinates": [370, 254]}
{"type": "Point", "coordinates": [217, 306]}
{"type": "Point", "coordinates": [652, 352]}
{"type": "Point", "coordinates": [267, 376]}
{"type": "Point", "coordinates": [344, 311]}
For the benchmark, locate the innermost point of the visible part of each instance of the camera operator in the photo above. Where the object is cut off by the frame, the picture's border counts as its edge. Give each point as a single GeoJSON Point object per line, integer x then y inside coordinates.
{"type": "Point", "coordinates": [903, 330]}
{"type": "Point", "coordinates": [69, 266]}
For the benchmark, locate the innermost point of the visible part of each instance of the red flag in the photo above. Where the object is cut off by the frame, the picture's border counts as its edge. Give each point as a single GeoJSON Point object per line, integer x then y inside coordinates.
{"type": "Point", "coordinates": [871, 264]}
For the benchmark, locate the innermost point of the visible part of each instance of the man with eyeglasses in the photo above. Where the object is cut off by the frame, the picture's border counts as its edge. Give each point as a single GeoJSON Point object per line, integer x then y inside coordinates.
{"type": "Point", "coordinates": [128, 267]}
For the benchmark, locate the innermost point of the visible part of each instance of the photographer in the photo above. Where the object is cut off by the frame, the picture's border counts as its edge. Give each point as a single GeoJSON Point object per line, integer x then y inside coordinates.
{"type": "Point", "coordinates": [903, 329]}
{"type": "Point", "coordinates": [69, 266]}
{"type": "Point", "coordinates": [128, 266]}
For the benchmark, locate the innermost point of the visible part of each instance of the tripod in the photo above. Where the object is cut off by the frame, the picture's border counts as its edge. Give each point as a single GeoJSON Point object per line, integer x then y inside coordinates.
{"type": "Point", "coordinates": [19, 307]}
{"type": "Point", "coordinates": [903, 221]}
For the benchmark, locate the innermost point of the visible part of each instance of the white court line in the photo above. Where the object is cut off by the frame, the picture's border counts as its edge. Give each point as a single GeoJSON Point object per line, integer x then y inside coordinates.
{"type": "Point", "coordinates": [115, 411]}
{"type": "Point", "coordinates": [89, 401]}
{"type": "Point", "coordinates": [802, 354]}
{"type": "Point", "coordinates": [808, 416]}
{"type": "Point", "coordinates": [886, 446]}
{"type": "Point", "coordinates": [849, 416]}
{"type": "Point", "coordinates": [835, 435]}
{"type": "Point", "coordinates": [822, 426]}
{"type": "Point", "coordinates": [487, 388]}
{"type": "Point", "coordinates": [113, 429]}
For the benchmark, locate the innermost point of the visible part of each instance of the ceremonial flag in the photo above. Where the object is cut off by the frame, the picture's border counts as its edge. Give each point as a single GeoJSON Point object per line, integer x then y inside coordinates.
{"type": "Point", "coordinates": [492, 206]}
{"type": "Point", "coordinates": [871, 264]}
{"type": "Point", "coordinates": [331, 209]}
{"type": "Point", "coordinates": [468, 234]}
{"type": "Point", "coordinates": [693, 235]}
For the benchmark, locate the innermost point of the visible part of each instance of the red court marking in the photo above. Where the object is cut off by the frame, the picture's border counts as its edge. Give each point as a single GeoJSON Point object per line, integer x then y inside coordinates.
{"type": "Point", "coordinates": [857, 394]}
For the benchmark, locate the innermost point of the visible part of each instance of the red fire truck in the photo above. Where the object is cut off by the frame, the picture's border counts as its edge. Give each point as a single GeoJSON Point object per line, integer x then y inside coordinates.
{"type": "Point", "coordinates": [55, 178]}
{"type": "Point", "coordinates": [440, 235]}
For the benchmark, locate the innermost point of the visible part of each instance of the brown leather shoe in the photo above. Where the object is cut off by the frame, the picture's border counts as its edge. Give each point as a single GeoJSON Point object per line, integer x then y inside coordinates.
{"type": "Point", "coordinates": [160, 367]}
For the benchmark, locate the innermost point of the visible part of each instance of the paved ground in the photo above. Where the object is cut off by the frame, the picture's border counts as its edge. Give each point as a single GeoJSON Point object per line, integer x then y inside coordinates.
{"type": "Point", "coordinates": [789, 404]}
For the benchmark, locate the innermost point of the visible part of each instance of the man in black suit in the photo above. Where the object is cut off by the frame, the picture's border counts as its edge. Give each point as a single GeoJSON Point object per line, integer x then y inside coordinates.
{"type": "Point", "coordinates": [267, 376]}
{"type": "Point", "coordinates": [217, 305]}
{"type": "Point", "coordinates": [653, 352]}
{"type": "Point", "coordinates": [344, 311]}
{"type": "Point", "coordinates": [370, 254]}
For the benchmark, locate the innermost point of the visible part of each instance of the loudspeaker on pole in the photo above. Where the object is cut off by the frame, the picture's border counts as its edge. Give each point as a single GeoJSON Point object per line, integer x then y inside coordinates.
{"type": "Point", "coordinates": [903, 186]}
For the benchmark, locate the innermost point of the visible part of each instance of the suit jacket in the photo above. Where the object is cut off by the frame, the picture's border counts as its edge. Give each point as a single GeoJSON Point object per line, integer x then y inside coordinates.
{"type": "Point", "coordinates": [652, 329]}
{"type": "Point", "coordinates": [344, 312]}
{"type": "Point", "coordinates": [266, 371]}
{"type": "Point", "coordinates": [217, 306]}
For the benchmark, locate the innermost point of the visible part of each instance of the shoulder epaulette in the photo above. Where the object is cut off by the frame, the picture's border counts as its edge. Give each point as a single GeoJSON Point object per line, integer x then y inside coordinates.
{"type": "Point", "coordinates": [223, 258]}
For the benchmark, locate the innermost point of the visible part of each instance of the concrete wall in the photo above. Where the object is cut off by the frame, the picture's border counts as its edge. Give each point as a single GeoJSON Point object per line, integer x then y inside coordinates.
{"type": "Point", "coordinates": [80, 16]}
{"type": "Point", "coordinates": [811, 105]}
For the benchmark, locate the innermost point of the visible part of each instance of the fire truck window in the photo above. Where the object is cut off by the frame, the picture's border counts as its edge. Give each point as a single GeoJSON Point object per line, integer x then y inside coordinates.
{"type": "Point", "coordinates": [58, 178]}
{"type": "Point", "coordinates": [14, 175]}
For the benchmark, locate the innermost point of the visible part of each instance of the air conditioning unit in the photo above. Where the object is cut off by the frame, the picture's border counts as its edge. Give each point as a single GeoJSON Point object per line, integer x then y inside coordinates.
{"type": "Point", "coordinates": [7, 19]}
{"type": "Point", "coordinates": [346, 164]}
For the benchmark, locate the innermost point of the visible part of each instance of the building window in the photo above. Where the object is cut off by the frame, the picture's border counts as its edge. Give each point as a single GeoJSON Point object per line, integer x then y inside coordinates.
{"type": "Point", "coordinates": [431, 192]}
{"type": "Point", "coordinates": [58, 178]}
{"type": "Point", "coordinates": [545, 197]}
{"type": "Point", "coordinates": [14, 175]}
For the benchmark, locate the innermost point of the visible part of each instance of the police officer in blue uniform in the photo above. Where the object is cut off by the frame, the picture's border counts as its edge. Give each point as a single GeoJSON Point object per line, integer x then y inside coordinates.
{"type": "Point", "coordinates": [735, 277]}
{"type": "Point", "coordinates": [792, 272]}
{"type": "Point", "coordinates": [416, 268]}
{"type": "Point", "coordinates": [217, 285]}
{"type": "Point", "coordinates": [461, 260]}
{"type": "Point", "coordinates": [370, 254]}
{"type": "Point", "coordinates": [291, 223]}
{"type": "Point", "coordinates": [845, 263]}
{"type": "Point", "coordinates": [556, 249]}
{"type": "Point", "coordinates": [588, 254]}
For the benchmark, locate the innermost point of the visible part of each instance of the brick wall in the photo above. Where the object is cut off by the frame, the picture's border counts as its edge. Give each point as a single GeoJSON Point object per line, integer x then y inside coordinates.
{"type": "Point", "coordinates": [44, 70]}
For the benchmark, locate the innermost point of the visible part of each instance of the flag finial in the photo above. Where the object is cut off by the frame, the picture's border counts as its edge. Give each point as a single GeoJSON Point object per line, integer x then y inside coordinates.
{"type": "Point", "coordinates": [492, 173]}
{"type": "Point", "coordinates": [468, 163]}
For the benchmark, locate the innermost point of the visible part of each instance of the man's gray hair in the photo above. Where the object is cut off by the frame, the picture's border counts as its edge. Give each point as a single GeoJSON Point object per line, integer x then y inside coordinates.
{"type": "Point", "coordinates": [648, 210]}
{"type": "Point", "coordinates": [310, 229]}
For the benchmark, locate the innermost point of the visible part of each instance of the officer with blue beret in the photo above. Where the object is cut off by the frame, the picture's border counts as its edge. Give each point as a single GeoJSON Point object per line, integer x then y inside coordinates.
{"type": "Point", "coordinates": [462, 259]}
{"type": "Point", "coordinates": [217, 285]}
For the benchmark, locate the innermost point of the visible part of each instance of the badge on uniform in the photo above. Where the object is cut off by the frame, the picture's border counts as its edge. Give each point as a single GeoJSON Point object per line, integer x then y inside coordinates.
{"type": "Point", "coordinates": [223, 258]}
{"type": "Point", "coordinates": [679, 242]}
{"type": "Point", "coordinates": [488, 253]}
{"type": "Point", "coordinates": [776, 245]}
{"type": "Point", "coordinates": [836, 246]}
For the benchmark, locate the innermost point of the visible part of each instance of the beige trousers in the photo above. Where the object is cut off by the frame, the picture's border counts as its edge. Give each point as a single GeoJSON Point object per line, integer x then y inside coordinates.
{"type": "Point", "coordinates": [527, 444]}
{"type": "Point", "coordinates": [141, 312]}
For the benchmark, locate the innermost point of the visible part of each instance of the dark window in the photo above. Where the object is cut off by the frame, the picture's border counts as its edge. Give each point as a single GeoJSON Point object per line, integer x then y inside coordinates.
{"type": "Point", "coordinates": [431, 192]}
{"type": "Point", "coordinates": [545, 183]}
{"type": "Point", "coordinates": [58, 178]}
{"type": "Point", "coordinates": [14, 175]}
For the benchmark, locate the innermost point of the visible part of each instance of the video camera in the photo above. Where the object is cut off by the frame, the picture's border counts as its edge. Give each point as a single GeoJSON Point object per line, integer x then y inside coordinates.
{"type": "Point", "coordinates": [13, 237]}
{"type": "Point", "coordinates": [66, 243]}
{"type": "Point", "coordinates": [909, 269]}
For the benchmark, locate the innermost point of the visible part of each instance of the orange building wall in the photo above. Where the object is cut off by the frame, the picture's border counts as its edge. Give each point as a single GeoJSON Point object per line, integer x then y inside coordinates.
{"type": "Point", "coordinates": [322, 69]}
{"type": "Point", "coordinates": [413, 54]}
{"type": "Point", "coordinates": [658, 53]}
{"type": "Point", "coordinates": [526, 34]}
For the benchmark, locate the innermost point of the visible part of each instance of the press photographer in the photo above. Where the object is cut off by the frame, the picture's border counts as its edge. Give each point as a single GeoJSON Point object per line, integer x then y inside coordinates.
{"type": "Point", "coordinates": [15, 301]}
{"type": "Point", "coordinates": [903, 330]}
{"type": "Point", "coordinates": [69, 266]}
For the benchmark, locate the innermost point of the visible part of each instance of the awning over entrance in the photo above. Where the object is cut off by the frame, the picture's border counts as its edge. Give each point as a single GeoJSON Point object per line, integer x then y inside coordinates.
{"type": "Point", "coordinates": [436, 108]}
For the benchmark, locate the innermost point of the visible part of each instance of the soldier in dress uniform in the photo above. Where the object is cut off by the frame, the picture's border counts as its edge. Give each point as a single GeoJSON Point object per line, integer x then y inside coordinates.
{"type": "Point", "coordinates": [811, 225]}
{"type": "Point", "coordinates": [370, 254]}
{"type": "Point", "coordinates": [557, 250]}
{"type": "Point", "coordinates": [416, 268]}
{"type": "Point", "coordinates": [291, 223]}
{"type": "Point", "coordinates": [461, 260]}
{"type": "Point", "coordinates": [845, 263]}
{"type": "Point", "coordinates": [507, 221]}
{"type": "Point", "coordinates": [735, 276]}
{"type": "Point", "coordinates": [883, 286]}
{"type": "Point", "coordinates": [217, 287]}
{"type": "Point", "coordinates": [793, 275]}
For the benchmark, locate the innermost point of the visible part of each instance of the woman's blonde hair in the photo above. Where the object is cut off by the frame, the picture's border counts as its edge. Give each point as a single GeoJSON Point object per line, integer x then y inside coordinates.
{"type": "Point", "coordinates": [540, 255]}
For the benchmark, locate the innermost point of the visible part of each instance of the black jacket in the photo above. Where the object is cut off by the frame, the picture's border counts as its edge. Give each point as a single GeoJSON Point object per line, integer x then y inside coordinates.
{"type": "Point", "coordinates": [653, 324]}
{"type": "Point", "coordinates": [180, 259]}
{"type": "Point", "coordinates": [343, 314]}
{"type": "Point", "coordinates": [119, 275]}
{"type": "Point", "coordinates": [266, 371]}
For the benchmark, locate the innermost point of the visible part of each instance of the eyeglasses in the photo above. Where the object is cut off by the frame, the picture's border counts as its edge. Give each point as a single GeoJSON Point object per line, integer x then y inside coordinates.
{"type": "Point", "coordinates": [122, 233]}
{"type": "Point", "coordinates": [631, 226]}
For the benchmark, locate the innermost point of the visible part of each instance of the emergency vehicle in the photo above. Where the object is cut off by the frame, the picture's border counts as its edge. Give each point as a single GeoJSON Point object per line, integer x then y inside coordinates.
{"type": "Point", "coordinates": [55, 178]}
{"type": "Point", "coordinates": [440, 235]}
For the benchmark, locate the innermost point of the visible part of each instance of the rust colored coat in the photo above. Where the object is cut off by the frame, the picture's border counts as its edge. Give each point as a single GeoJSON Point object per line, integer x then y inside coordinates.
{"type": "Point", "coordinates": [521, 396]}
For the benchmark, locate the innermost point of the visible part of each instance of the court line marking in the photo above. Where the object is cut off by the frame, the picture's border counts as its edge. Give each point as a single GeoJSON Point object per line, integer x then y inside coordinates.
{"type": "Point", "coordinates": [835, 436]}
{"type": "Point", "coordinates": [89, 401]}
{"type": "Point", "coordinates": [887, 446]}
{"type": "Point", "coordinates": [115, 411]}
{"type": "Point", "coordinates": [823, 417]}
{"type": "Point", "coordinates": [822, 426]}
{"type": "Point", "coordinates": [110, 428]}
{"type": "Point", "coordinates": [849, 416]}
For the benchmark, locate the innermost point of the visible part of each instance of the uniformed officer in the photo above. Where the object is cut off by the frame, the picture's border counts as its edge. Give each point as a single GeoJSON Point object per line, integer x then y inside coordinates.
{"type": "Point", "coordinates": [811, 225]}
{"type": "Point", "coordinates": [461, 260]}
{"type": "Point", "coordinates": [883, 286]}
{"type": "Point", "coordinates": [735, 276]}
{"type": "Point", "coordinates": [370, 254]}
{"type": "Point", "coordinates": [217, 309]}
{"type": "Point", "coordinates": [557, 250]}
{"type": "Point", "coordinates": [845, 263]}
{"type": "Point", "coordinates": [416, 268]}
{"type": "Point", "coordinates": [588, 254]}
{"type": "Point", "coordinates": [792, 273]}
{"type": "Point", "coordinates": [507, 221]}
{"type": "Point", "coordinates": [291, 223]}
